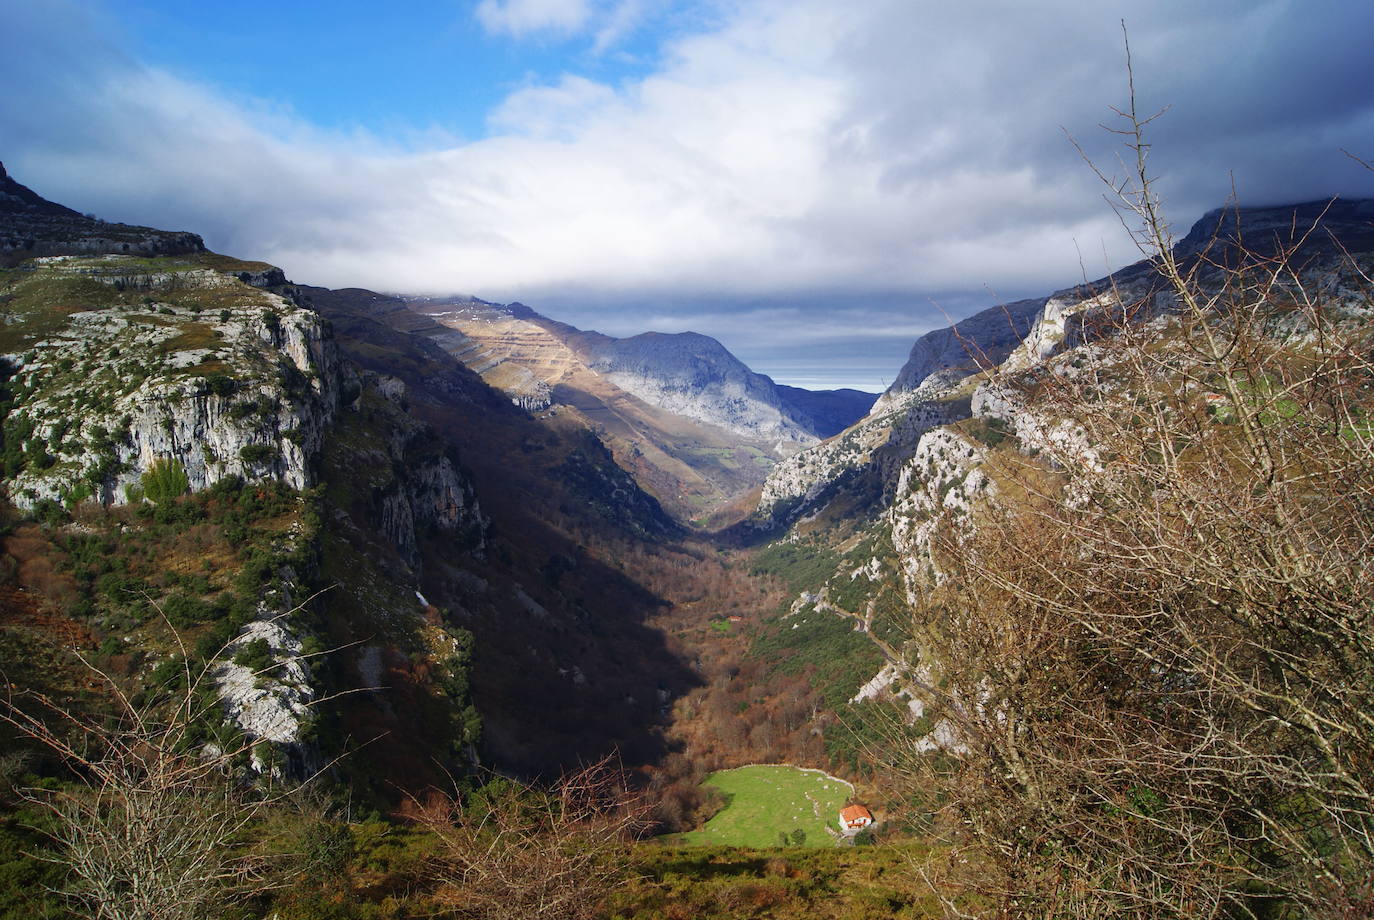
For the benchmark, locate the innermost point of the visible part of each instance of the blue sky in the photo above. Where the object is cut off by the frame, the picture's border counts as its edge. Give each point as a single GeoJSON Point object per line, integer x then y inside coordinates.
{"type": "Point", "coordinates": [814, 182]}
{"type": "Point", "coordinates": [427, 77]}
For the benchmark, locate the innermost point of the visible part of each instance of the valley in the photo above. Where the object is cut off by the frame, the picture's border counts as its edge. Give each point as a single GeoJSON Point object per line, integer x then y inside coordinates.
{"type": "Point", "coordinates": [474, 581]}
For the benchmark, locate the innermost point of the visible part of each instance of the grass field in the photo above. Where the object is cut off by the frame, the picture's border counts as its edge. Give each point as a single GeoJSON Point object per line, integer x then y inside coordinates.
{"type": "Point", "coordinates": [769, 802]}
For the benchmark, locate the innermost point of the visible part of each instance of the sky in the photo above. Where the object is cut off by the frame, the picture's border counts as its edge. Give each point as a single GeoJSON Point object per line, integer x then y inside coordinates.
{"type": "Point", "coordinates": [816, 183]}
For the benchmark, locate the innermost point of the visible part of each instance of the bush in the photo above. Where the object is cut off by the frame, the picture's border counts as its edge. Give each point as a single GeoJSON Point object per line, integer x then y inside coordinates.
{"type": "Point", "coordinates": [220, 384]}
{"type": "Point", "coordinates": [164, 480]}
{"type": "Point", "coordinates": [255, 655]}
{"type": "Point", "coordinates": [518, 851]}
{"type": "Point", "coordinates": [256, 454]}
{"type": "Point", "coordinates": [183, 610]}
{"type": "Point", "coordinates": [153, 827]}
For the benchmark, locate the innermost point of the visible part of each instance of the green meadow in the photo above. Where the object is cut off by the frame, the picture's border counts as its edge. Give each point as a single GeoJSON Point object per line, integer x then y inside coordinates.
{"type": "Point", "coordinates": [773, 805]}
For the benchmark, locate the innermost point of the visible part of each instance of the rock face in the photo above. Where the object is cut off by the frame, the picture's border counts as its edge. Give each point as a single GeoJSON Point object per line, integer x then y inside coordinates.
{"type": "Point", "coordinates": [873, 447]}
{"type": "Point", "coordinates": [416, 485]}
{"type": "Point", "coordinates": [695, 376]}
{"type": "Point", "coordinates": [195, 370]}
{"type": "Point", "coordinates": [948, 355]}
{"type": "Point", "coordinates": [942, 474]}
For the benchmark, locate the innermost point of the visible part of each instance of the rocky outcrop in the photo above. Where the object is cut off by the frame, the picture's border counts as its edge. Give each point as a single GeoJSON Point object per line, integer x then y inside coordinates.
{"type": "Point", "coordinates": [106, 394]}
{"type": "Point", "coordinates": [943, 475]}
{"type": "Point", "coordinates": [946, 356]}
{"type": "Point", "coordinates": [430, 495]}
{"type": "Point", "coordinates": [407, 482]}
{"type": "Point", "coordinates": [877, 445]}
{"type": "Point", "coordinates": [268, 695]}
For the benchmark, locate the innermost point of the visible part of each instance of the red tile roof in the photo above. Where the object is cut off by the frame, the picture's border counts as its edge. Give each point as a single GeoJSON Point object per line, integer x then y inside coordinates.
{"type": "Point", "coordinates": [856, 814]}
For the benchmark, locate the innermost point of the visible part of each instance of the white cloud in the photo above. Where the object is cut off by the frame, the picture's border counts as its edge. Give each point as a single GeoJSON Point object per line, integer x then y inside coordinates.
{"type": "Point", "coordinates": [622, 19]}
{"type": "Point", "coordinates": [519, 18]}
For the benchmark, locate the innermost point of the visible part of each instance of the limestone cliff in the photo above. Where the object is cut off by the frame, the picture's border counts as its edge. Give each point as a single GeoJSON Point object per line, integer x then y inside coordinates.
{"type": "Point", "coordinates": [873, 448]}
{"type": "Point", "coordinates": [118, 364]}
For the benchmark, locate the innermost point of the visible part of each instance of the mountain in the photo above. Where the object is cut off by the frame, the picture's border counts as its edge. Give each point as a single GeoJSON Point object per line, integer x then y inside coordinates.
{"type": "Point", "coordinates": [695, 376]}
{"type": "Point", "coordinates": [985, 339]}
{"type": "Point", "coordinates": [973, 414]}
{"type": "Point", "coordinates": [826, 412]}
{"type": "Point", "coordinates": [937, 384]}
{"type": "Point", "coordinates": [208, 467]}
{"type": "Point", "coordinates": [696, 426]}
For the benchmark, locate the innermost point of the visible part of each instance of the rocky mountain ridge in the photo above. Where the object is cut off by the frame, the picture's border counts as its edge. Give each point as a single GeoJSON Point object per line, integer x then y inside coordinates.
{"type": "Point", "coordinates": [938, 383]}
{"type": "Point", "coordinates": [695, 376]}
{"type": "Point", "coordinates": [693, 423]}
{"type": "Point", "coordinates": [31, 226]}
{"type": "Point", "coordinates": [687, 373]}
{"type": "Point", "coordinates": [953, 436]}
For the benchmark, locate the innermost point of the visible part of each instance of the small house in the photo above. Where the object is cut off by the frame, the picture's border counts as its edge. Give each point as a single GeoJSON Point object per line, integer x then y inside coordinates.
{"type": "Point", "coordinates": [854, 818]}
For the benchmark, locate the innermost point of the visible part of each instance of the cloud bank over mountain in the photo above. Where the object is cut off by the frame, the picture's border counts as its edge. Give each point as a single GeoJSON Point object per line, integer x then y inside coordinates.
{"type": "Point", "coordinates": [850, 163]}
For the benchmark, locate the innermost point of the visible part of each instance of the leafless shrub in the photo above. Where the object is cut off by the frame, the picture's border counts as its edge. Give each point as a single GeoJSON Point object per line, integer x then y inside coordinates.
{"type": "Point", "coordinates": [155, 826]}
{"type": "Point", "coordinates": [1159, 641]}
{"type": "Point", "coordinates": [513, 850]}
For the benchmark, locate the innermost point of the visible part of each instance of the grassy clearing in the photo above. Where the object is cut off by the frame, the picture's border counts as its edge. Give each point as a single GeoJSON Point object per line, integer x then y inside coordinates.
{"type": "Point", "coordinates": [773, 805]}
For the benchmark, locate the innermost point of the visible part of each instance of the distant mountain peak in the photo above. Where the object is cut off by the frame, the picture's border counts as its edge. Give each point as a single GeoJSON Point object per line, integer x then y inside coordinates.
{"type": "Point", "coordinates": [984, 340]}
